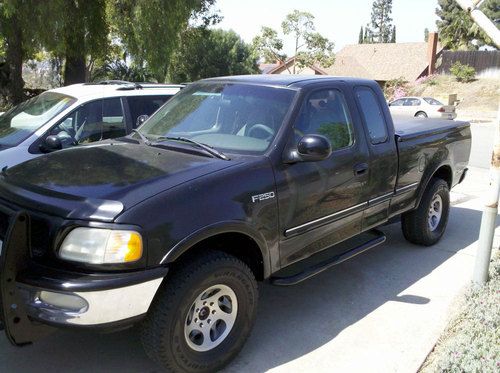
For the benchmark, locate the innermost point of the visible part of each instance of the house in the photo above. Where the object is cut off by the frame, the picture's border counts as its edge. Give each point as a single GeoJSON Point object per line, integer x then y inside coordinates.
{"type": "Point", "coordinates": [380, 62]}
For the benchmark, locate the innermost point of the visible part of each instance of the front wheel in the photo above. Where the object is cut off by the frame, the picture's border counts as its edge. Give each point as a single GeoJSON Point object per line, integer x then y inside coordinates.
{"type": "Point", "coordinates": [426, 224]}
{"type": "Point", "coordinates": [202, 315]}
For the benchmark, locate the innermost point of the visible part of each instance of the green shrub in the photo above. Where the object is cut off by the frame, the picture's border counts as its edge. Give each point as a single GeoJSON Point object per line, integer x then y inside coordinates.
{"type": "Point", "coordinates": [395, 88]}
{"type": "Point", "coordinates": [432, 81]}
{"type": "Point", "coordinates": [463, 73]}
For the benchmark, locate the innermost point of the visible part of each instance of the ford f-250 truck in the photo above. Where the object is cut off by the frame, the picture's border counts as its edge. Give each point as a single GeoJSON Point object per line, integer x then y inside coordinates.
{"type": "Point", "coordinates": [235, 180]}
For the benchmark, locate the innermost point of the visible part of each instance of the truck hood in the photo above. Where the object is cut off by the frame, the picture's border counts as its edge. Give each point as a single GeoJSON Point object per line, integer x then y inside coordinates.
{"type": "Point", "coordinates": [109, 176]}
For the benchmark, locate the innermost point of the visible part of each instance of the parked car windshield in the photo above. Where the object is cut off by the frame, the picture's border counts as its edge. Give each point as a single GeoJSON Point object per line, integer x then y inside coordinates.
{"type": "Point", "coordinates": [432, 101]}
{"type": "Point", "coordinates": [240, 118]}
{"type": "Point", "coordinates": [23, 120]}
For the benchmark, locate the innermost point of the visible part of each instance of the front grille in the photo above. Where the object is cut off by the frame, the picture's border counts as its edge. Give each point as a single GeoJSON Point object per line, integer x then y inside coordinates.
{"type": "Point", "coordinates": [40, 229]}
{"type": "Point", "coordinates": [4, 224]}
{"type": "Point", "coordinates": [40, 236]}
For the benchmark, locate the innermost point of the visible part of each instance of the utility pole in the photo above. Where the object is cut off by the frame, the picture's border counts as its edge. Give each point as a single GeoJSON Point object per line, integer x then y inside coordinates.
{"type": "Point", "coordinates": [490, 209]}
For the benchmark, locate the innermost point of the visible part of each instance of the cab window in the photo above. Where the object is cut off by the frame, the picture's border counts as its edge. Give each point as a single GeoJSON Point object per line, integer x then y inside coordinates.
{"type": "Point", "coordinates": [372, 115]}
{"type": "Point", "coordinates": [326, 113]}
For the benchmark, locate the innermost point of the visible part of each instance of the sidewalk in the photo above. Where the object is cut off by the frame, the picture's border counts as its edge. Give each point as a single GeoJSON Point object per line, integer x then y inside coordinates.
{"type": "Point", "coordinates": [380, 312]}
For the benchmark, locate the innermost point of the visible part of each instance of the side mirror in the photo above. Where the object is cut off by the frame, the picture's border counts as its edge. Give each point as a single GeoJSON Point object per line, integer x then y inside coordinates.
{"type": "Point", "coordinates": [141, 119]}
{"type": "Point", "coordinates": [51, 143]}
{"type": "Point", "coordinates": [311, 148]}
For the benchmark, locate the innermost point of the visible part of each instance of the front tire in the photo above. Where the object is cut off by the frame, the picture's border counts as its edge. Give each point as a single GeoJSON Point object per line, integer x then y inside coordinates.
{"type": "Point", "coordinates": [426, 224]}
{"type": "Point", "coordinates": [202, 315]}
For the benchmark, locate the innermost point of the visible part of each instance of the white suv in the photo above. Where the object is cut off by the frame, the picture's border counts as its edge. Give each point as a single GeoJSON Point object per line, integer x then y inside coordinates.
{"type": "Point", "coordinates": [77, 114]}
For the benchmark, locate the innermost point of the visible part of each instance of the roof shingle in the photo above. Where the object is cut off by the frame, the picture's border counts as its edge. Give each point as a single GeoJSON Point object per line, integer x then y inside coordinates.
{"type": "Point", "coordinates": [382, 62]}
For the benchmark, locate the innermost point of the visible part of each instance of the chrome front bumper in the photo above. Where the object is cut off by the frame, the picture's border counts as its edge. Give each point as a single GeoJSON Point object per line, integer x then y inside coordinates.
{"type": "Point", "coordinates": [89, 308]}
{"type": "Point", "coordinates": [34, 297]}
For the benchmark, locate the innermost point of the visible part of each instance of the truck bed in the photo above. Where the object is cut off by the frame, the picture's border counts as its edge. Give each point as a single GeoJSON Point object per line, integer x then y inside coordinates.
{"type": "Point", "coordinates": [422, 145]}
{"type": "Point", "coordinates": [406, 128]}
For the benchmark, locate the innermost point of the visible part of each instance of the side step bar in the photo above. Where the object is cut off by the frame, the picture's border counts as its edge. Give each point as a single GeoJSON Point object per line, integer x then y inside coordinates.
{"type": "Point", "coordinates": [330, 262]}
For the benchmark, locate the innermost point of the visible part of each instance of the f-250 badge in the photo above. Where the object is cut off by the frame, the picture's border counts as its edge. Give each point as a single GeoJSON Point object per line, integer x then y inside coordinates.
{"type": "Point", "coordinates": [262, 197]}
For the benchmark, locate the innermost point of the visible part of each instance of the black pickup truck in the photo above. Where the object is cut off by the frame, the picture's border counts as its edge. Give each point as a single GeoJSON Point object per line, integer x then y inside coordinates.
{"type": "Point", "coordinates": [235, 180]}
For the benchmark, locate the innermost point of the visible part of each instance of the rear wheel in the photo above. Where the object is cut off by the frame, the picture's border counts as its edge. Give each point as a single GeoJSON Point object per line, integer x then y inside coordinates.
{"type": "Point", "coordinates": [202, 315]}
{"type": "Point", "coordinates": [426, 224]}
{"type": "Point", "coordinates": [421, 114]}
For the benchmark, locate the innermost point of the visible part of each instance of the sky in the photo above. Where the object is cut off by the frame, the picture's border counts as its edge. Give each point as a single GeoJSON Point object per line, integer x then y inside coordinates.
{"type": "Point", "coordinates": [337, 20]}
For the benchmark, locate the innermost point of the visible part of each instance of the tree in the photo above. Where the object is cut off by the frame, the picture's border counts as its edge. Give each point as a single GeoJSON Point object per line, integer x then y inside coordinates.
{"type": "Point", "coordinates": [368, 36]}
{"type": "Point", "coordinates": [119, 70]}
{"type": "Point", "coordinates": [82, 32]}
{"type": "Point", "coordinates": [361, 37]}
{"type": "Point", "coordinates": [310, 47]}
{"type": "Point", "coordinates": [204, 53]}
{"type": "Point", "coordinates": [426, 34]}
{"type": "Point", "coordinates": [18, 25]}
{"type": "Point", "coordinates": [456, 29]}
{"type": "Point", "coordinates": [381, 21]}
{"type": "Point", "coordinates": [269, 46]}
{"type": "Point", "coordinates": [393, 34]}
{"type": "Point", "coordinates": [150, 29]}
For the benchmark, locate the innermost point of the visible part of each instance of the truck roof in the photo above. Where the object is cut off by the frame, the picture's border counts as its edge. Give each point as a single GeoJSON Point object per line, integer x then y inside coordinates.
{"type": "Point", "coordinates": [288, 80]}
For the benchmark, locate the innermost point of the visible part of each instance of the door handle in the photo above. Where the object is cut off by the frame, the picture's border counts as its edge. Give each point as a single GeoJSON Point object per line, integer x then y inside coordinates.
{"type": "Point", "coordinates": [360, 169]}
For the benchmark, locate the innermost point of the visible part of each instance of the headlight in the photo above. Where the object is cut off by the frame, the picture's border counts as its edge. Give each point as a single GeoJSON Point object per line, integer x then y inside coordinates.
{"type": "Point", "coordinates": [99, 246]}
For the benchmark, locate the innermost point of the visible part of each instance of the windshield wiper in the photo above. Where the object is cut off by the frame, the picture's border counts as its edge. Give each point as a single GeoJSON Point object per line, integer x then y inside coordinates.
{"type": "Point", "coordinates": [207, 148]}
{"type": "Point", "coordinates": [144, 139]}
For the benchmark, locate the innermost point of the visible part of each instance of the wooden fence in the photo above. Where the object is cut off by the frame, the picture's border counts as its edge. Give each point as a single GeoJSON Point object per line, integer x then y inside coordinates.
{"type": "Point", "coordinates": [486, 63]}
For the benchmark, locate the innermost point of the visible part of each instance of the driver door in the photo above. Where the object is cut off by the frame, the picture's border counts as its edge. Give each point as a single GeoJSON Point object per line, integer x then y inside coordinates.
{"type": "Point", "coordinates": [321, 203]}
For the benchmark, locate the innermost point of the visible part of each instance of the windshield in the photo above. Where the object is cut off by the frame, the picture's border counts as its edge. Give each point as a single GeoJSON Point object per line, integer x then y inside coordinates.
{"type": "Point", "coordinates": [23, 120]}
{"type": "Point", "coordinates": [238, 118]}
{"type": "Point", "coordinates": [432, 101]}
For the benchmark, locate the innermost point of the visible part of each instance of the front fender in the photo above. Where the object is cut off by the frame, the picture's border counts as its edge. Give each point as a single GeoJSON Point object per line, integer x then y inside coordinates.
{"type": "Point", "coordinates": [216, 229]}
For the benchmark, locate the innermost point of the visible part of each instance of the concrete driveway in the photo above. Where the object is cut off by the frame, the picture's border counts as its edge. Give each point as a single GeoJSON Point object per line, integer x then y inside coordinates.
{"type": "Point", "coordinates": [379, 312]}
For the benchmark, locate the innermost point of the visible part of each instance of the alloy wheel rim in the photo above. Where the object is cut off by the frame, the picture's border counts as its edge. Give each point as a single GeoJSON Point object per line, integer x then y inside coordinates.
{"type": "Point", "coordinates": [210, 318]}
{"type": "Point", "coordinates": [435, 212]}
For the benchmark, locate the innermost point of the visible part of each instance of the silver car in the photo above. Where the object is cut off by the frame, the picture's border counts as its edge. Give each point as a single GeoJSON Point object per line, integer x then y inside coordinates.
{"type": "Point", "coordinates": [426, 107]}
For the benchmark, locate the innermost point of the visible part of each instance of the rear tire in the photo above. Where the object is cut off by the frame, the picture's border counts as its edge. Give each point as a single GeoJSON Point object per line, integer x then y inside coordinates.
{"type": "Point", "coordinates": [426, 224]}
{"type": "Point", "coordinates": [185, 329]}
{"type": "Point", "coordinates": [421, 114]}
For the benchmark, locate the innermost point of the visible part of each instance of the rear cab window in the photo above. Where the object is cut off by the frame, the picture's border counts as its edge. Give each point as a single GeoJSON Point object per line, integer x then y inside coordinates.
{"type": "Point", "coordinates": [372, 115]}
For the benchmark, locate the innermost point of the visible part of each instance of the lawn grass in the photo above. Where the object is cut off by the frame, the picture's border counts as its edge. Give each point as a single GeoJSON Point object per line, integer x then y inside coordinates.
{"type": "Point", "coordinates": [471, 341]}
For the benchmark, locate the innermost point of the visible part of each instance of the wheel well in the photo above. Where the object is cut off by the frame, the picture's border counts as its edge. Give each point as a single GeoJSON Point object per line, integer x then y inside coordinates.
{"type": "Point", "coordinates": [236, 244]}
{"type": "Point", "coordinates": [420, 112]}
{"type": "Point", "coordinates": [444, 172]}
